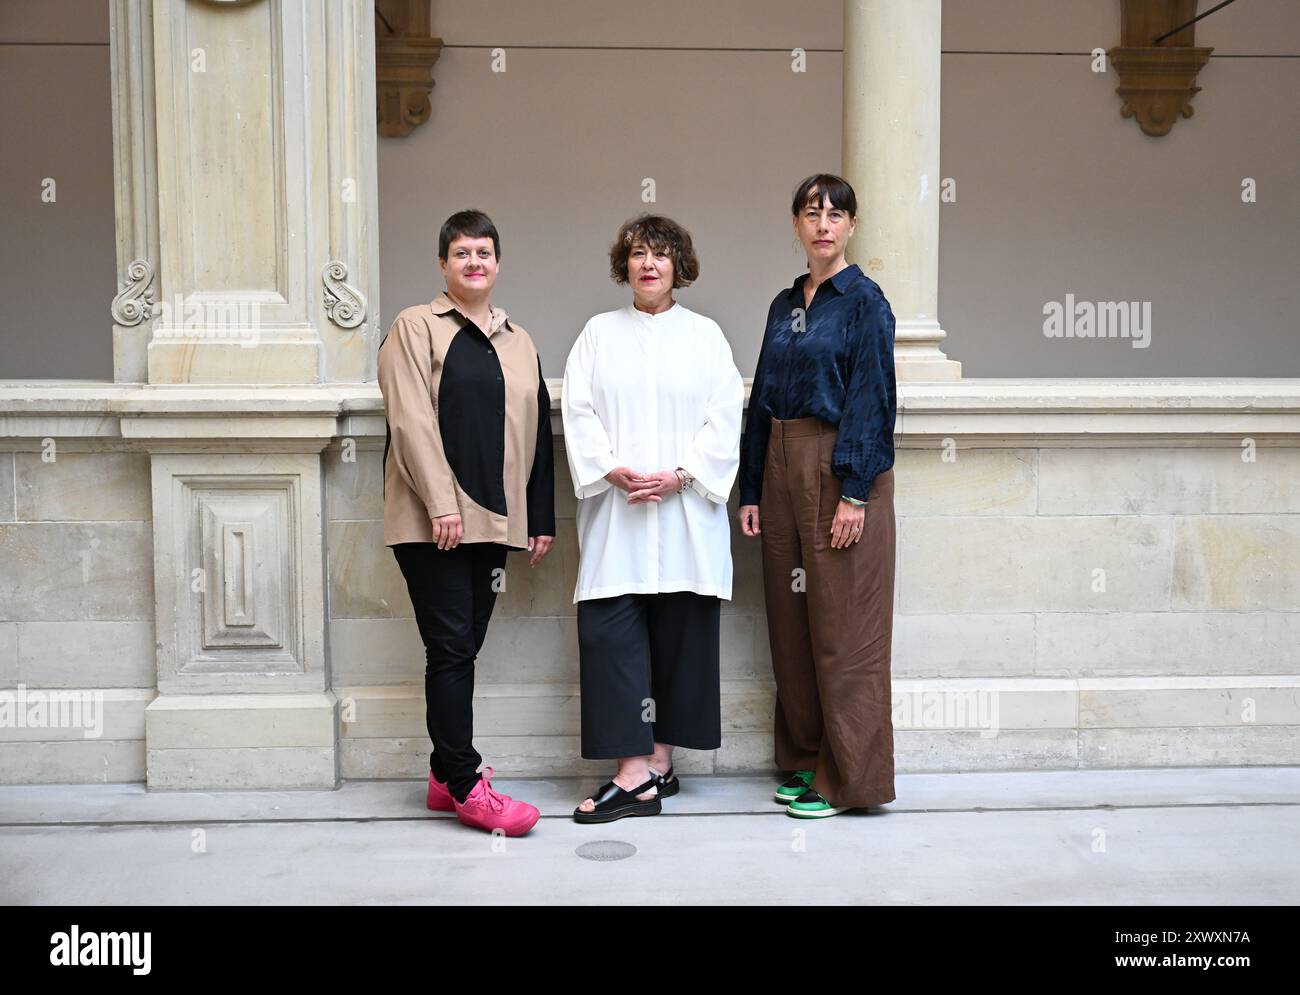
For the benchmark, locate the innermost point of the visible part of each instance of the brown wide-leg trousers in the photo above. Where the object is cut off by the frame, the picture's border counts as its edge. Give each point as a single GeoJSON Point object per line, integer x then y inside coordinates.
{"type": "Point", "coordinates": [830, 630]}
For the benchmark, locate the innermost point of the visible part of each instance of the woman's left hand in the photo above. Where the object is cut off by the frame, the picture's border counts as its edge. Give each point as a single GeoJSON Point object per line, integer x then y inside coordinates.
{"type": "Point", "coordinates": [654, 486]}
{"type": "Point", "coordinates": [538, 546]}
{"type": "Point", "coordinates": [848, 524]}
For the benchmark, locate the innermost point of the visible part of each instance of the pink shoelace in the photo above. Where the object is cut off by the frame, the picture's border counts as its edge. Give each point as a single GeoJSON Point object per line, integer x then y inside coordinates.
{"type": "Point", "coordinates": [495, 801]}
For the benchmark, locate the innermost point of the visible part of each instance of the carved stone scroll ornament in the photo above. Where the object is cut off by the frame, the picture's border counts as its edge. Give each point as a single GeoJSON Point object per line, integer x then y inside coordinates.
{"type": "Point", "coordinates": [344, 303]}
{"type": "Point", "coordinates": [134, 302]}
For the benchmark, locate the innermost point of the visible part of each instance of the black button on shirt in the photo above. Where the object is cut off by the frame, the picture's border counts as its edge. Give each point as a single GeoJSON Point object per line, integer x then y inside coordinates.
{"type": "Point", "coordinates": [835, 361]}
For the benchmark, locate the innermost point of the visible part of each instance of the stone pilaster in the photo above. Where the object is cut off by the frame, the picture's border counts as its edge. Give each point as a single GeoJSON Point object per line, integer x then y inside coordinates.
{"type": "Point", "coordinates": [247, 212]}
{"type": "Point", "coordinates": [135, 187]}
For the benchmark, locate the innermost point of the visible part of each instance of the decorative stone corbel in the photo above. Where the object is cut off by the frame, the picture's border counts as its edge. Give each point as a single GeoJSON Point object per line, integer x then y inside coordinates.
{"type": "Point", "coordinates": [1157, 81]}
{"type": "Point", "coordinates": [404, 58]}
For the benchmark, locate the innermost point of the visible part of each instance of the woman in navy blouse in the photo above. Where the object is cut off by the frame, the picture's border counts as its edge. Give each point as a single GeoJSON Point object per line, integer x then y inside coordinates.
{"type": "Point", "coordinates": [817, 483]}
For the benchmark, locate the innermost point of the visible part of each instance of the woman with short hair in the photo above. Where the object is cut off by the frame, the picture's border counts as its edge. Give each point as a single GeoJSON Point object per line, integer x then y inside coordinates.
{"type": "Point", "coordinates": [817, 473]}
{"type": "Point", "coordinates": [468, 476]}
{"type": "Point", "coordinates": [651, 406]}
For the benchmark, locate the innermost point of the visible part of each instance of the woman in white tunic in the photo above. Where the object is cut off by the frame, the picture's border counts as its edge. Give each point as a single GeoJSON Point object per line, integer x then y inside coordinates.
{"type": "Point", "coordinates": [651, 407]}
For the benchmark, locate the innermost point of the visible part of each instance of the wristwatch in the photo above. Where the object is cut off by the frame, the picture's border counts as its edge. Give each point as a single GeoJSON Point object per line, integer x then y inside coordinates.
{"type": "Point", "coordinates": [685, 477]}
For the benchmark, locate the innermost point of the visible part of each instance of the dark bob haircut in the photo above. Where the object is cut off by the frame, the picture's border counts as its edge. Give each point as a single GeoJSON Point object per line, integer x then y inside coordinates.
{"type": "Point", "coordinates": [467, 224]}
{"type": "Point", "coordinates": [825, 185]}
{"type": "Point", "coordinates": [656, 233]}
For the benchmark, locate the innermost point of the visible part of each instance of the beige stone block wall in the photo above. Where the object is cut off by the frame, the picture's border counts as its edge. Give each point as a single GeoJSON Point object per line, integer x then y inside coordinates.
{"type": "Point", "coordinates": [1159, 582]}
{"type": "Point", "coordinates": [1237, 563]}
{"type": "Point", "coordinates": [1101, 594]}
{"type": "Point", "coordinates": [72, 762]}
{"type": "Point", "coordinates": [1184, 481]}
{"type": "Point", "coordinates": [1209, 643]}
{"type": "Point", "coordinates": [8, 654]}
{"type": "Point", "coordinates": [932, 751]}
{"type": "Point", "coordinates": [1109, 562]}
{"type": "Point", "coordinates": [107, 747]}
{"type": "Point", "coordinates": [76, 609]}
{"type": "Point", "coordinates": [7, 495]}
{"type": "Point", "coordinates": [1189, 653]}
{"type": "Point", "coordinates": [76, 589]}
{"type": "Point", "coordinates": [75, 486]}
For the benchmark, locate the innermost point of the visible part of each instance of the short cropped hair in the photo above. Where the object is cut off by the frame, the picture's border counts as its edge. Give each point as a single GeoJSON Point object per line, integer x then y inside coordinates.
{"type": "Point", "coordinates": [470, 223]}
{"type": "Point", "coordinates": [656, 233]}
{"type": "Point", "coordinates": [826, 185]}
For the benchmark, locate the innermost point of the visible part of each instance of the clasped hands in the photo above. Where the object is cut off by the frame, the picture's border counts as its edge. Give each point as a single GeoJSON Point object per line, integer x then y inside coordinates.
{"type": "Point", "coordinates": [642, 487]}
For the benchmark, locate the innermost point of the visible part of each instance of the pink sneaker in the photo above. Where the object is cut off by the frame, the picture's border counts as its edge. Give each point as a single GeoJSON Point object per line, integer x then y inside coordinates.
{"type": "Point", "coordinates": [440, 799]}
{"type": "Point", "coordinates": [488, 809]}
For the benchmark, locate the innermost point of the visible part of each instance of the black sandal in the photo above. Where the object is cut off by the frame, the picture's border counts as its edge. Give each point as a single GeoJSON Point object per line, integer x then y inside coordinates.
{"type": "Point", "coordinates": [667, 784]}
{"type": "Point", "coordinates": [614, 802]}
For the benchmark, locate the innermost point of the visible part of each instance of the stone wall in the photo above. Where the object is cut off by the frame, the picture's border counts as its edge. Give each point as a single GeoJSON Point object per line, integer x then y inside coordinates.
{"type": "Point", "coordinates": [1090, 575]}
{"type": "Point", "coordinates": [76, 603]}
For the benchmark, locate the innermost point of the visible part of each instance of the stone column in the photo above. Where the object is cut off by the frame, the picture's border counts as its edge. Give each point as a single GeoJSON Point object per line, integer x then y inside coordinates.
{"type": "Point", "coordinates": [247, 208]}
{"type": "Point", "coordinates": [891, 156]}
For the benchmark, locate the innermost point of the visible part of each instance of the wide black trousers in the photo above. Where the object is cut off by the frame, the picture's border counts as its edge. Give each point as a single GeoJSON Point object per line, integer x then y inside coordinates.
{"type": "Point", "coordinates": [453, 592]}
{"type": "Point", "coordinates": [650, 673]}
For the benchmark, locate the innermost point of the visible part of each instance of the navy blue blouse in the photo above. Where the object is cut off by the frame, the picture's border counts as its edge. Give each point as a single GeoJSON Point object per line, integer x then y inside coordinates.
{"type": "Point", "coordinates": [834, 362]}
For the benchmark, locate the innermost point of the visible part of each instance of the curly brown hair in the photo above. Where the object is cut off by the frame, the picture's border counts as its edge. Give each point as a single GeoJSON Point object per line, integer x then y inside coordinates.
{"type": "Point", "coordinates": [655, 232]}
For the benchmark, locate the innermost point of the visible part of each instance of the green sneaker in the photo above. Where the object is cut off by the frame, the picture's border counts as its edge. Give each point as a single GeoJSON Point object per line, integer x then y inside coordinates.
{"type": "Point", "coordinates": [811, 805]}
{"type": "Point", "coordinates": [794, 787]}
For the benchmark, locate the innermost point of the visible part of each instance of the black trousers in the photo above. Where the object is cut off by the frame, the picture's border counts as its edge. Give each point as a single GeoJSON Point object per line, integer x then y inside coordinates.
{"type": "Point", "coordinates": [649, 666]}
{"type": "Point", "coordinates": [453, 592]}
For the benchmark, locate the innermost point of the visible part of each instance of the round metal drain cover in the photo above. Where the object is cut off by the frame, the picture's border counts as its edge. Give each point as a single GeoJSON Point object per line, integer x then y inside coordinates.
{"type": "Point", "coordinates": [606, 850]}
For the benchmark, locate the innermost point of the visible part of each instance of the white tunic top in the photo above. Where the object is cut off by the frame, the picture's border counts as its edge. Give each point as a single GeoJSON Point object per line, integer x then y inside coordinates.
{"type": "Point", "coordinates": [652, 392]}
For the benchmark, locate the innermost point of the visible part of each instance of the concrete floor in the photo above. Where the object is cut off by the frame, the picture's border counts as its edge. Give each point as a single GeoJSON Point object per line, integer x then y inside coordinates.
{"type": "Point", "coordinates": [1219, 836]}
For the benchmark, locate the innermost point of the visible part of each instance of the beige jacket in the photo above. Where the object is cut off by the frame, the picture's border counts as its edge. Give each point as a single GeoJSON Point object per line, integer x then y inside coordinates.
{"type": "Point", "coordinates": [469, 428]}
